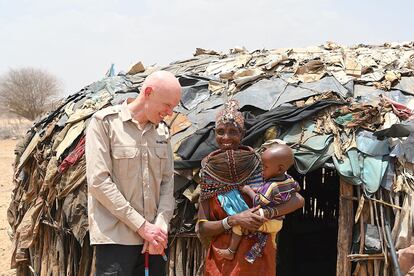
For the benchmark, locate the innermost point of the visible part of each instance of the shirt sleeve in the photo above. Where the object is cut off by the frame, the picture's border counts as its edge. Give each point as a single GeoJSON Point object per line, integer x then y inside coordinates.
{"type": "Point", "coordinates": [98, 173]}
{"type": "Point", "coordinates": [287, 193]}
{"type": "Point", "coordinates": [167, 201]}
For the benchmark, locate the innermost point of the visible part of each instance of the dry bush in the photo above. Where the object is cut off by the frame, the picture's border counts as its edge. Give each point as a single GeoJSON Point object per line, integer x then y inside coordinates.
{"type": "Point", "coordinates": [28, 92]}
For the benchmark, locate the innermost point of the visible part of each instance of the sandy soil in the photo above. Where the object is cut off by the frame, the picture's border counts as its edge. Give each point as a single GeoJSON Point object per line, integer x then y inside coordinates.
{"type": "Point", "coordinates": [6, 172]}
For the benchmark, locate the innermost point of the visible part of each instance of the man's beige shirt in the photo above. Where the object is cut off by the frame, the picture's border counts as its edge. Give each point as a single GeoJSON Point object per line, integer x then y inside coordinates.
{"type": "Point", "coordinates": [130, 176]}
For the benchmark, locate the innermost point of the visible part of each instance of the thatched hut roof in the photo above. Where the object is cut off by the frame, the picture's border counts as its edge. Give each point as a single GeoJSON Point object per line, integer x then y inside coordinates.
{"type": "Point", "coordinates": [325, 100]}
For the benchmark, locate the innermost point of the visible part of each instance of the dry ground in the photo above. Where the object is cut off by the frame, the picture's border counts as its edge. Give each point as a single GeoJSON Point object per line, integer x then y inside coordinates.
{"type": "Point", "coordinates": [6, 172]}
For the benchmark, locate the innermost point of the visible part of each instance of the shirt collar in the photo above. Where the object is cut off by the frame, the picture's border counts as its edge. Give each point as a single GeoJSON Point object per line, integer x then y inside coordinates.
{"type": "Point", "coordinates": [127, 116]}
{"type": "Point", "coordinates": [125, 113]}
{"type": "Point", "coordinates": [276, 179]}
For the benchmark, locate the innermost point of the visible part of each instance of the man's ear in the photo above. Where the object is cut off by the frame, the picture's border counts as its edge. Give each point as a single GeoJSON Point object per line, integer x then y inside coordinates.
{"type": "Point", "coordinates": [148, 90]}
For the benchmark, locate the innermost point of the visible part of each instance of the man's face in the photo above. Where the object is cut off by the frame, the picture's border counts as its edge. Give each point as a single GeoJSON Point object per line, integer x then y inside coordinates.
{"type": "Point", "coordinates": [160, 104]}
{"type": "Point", "coordinates": [228, 136]}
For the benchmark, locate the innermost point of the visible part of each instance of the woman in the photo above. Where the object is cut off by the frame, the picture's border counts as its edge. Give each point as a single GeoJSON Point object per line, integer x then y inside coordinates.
{"type": "Point", "coordinates": [223, 173]}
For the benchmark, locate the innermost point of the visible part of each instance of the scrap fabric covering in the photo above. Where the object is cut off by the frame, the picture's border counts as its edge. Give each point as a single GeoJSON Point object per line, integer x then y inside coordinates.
{"type": "Point", "coordinates": [358, 115]}
{"type": "Point", "coordinates": [74, 156]}
{"type": "Point", "coordinates": [225, 171]}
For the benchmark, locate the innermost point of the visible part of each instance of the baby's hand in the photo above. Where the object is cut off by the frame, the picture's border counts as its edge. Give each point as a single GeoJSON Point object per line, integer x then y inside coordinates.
{"type": "Point", "coordinates": [260, 200]}
{"type": "Point", "coordinates": [260, 212]}
{"type": "Point", "coordinates": [248, 191]}
{"type": "Point", "coordinates": [257, 200]}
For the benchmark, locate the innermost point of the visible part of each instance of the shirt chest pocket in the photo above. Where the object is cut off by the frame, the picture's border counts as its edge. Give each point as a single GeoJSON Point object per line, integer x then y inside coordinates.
{"type": "Point", "coordinates": [124, 160]}
{"type": "Point", "coordinates": [160, 159]}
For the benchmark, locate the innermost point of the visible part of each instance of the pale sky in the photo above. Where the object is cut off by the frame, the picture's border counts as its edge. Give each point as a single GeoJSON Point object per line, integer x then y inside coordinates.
{"type": "Point", "coordinates": [77, 40]}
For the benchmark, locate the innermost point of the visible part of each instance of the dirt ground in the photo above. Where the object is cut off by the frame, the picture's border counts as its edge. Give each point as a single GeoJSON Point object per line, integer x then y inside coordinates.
{"type": "Point", "coordinates": [6, 172]}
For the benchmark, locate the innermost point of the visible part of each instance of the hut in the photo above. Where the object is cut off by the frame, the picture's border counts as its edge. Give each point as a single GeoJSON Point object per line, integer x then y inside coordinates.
{"type": "Point", "coordinates": [345, 111]}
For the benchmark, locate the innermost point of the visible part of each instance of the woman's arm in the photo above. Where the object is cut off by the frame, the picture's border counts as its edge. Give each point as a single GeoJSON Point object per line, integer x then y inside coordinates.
{"type": "Point", "coordinates": [205, 227]}
{"type": "Point", "coordinates": [246, 219]}
{"type": "Point", "coordinates": [295, 202]}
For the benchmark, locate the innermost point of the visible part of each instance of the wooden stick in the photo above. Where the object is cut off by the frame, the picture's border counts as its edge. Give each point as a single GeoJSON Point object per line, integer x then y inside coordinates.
{"type": "Point", "coordinates": [379, 229]}
{"type": "Point", "coordinates": [376, 200]}
{"type": "Point", "coordinates": [361, 224]}
{"type": "Point", "coordinates": [93, 265]}
{"type": "Point", "coordinates": [364, 269]}
{"type": "Point", "coordinates": [45, 254]}
{"type": "Point", "coordinates": [71, 255]}
{"type": "Point", "coordinates": [187, 256]}
{"type": "Point", "coordinates": [196, 253]}
{"type": "Point", "coordinates": [375, 263]}
{"type": "Point", "coordinates": [85, 261]}
{"type": "Point", "coordinates": [363, 257]}
{"type": "Point", "coordinates": [38, 247]}
{"type": "Point", "coordinates": [383, 232]}
{"type": "Point", "coordinates": [171, 259]}
{"type": "Point", "coordinates": [345, 223]}
{"type": "Point", "coordinates": [357, 269]}
{"type": "Point", "coordinates": [370, 267]}
{"type": "Point", "coordinates": [179, 258]}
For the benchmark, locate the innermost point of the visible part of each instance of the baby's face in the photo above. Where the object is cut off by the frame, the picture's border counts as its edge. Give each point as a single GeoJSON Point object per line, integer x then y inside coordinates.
{"type": "Point", "coordinates": [228, 136]}
{"type": "Point", "coordinates": [271, 166]}
{"type": "Point", "coordinates": [268, 170]}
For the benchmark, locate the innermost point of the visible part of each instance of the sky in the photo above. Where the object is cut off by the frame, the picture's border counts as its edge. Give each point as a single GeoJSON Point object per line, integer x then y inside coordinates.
{"type": "Point", "coordinates": [77, 40]}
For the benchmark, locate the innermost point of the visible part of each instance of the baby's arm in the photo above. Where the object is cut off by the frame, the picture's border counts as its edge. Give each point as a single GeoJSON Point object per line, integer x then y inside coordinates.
{"type": "Point", "coordinates": [269, 226]}
{"type": "Point", "coordinates": [246, 189]}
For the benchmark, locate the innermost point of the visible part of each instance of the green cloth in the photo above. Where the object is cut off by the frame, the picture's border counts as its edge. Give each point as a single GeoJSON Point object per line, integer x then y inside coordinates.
{"type": "Point", "coordinates": [312, 151]}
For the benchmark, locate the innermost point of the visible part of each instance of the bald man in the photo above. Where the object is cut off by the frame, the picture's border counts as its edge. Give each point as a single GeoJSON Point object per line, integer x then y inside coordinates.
{"type": "Point", "coordinates": [129, 168]}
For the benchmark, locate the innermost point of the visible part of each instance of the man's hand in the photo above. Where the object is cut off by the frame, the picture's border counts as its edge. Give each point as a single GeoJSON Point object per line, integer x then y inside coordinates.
{"type": "Point", "coordinates": [155, 238]}
{"type": "Point", "coordinates": [152, 250]}
{"type": "Point", "coordinates": [248, 219]}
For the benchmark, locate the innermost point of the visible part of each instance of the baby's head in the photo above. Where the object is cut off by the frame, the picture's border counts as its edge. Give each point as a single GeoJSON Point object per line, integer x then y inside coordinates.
{"type": "Point", "coordinates": [276, 160]}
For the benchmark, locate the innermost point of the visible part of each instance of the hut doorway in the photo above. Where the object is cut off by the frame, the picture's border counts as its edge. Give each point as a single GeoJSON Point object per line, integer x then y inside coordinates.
{"type": "Point", "coordinates": [307, 244]}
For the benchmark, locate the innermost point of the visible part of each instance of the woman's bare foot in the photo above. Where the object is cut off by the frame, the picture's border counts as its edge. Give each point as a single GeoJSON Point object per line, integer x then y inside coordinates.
{"type": "Point", "coordinates": [226, 253]}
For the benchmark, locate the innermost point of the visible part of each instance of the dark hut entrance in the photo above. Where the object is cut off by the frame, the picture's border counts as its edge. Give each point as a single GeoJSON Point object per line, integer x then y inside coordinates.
{"type": "Point", "coordinates": [307, 244]}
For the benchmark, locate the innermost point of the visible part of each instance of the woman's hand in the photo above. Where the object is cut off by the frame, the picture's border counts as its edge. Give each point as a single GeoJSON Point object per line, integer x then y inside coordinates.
{"type": "Point", "coordinates": [247, 219]}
